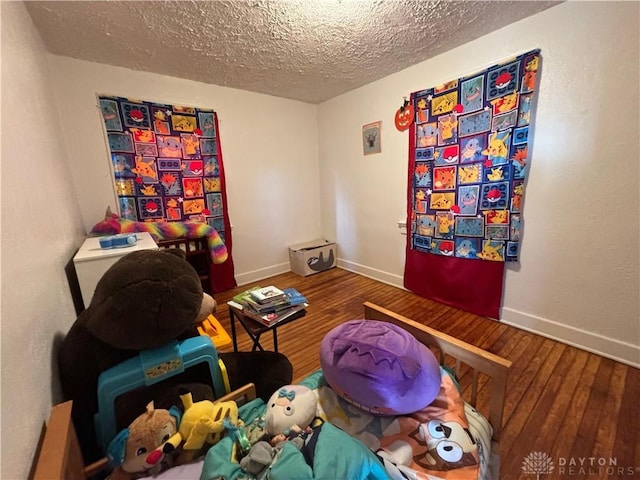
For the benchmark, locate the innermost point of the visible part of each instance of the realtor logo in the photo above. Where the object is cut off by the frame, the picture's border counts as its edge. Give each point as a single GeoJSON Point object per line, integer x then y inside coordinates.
{"type": "Point", "coordinates": [537, 463]}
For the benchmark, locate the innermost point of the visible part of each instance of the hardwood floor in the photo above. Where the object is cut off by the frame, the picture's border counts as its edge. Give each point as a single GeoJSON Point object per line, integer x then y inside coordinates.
{"type": "Point", "coordinates": [579, 408]}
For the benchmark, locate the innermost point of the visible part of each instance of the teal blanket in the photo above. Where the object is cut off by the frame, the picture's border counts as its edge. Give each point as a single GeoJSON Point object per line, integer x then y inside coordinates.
{"type": "Point", "coordinates": [336, 455]}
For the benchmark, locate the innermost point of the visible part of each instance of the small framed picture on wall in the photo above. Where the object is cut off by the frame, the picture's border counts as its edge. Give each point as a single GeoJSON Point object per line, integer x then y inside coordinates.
{"type": "Point", "coordinates": [371, 138]}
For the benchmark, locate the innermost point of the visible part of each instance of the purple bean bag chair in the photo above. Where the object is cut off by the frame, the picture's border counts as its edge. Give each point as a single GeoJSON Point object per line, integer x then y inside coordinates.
{"type": "Point", "coordinates": [379, 367]}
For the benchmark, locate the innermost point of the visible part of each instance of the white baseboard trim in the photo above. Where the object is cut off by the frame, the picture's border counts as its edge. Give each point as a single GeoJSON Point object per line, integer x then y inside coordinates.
{"type": "Point", "coordinates": [257, 275]}
{"type": "Point", "coordinates": [617, 350]}
{"type": "Point", "coordinates": [373, 273]}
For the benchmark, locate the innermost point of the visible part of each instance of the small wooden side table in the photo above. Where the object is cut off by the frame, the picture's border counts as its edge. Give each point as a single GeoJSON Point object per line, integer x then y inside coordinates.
{"type": "Point", "coordinates": [255, 329]}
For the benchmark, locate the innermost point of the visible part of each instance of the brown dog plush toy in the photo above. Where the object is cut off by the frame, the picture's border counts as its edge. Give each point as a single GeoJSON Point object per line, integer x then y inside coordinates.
{"type": "Point", "coordinates": [138, 449]}
{"type": "Point", "coordinates": [145, 300]}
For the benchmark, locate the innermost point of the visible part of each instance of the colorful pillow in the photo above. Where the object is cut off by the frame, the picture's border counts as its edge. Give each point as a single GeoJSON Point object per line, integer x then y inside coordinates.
{"type": "Point", "coordinates": [379, 367]}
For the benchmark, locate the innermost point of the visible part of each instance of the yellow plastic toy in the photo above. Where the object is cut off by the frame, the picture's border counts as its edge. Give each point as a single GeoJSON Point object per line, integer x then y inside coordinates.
{"type": "Point", "coordinates": [210, 327]}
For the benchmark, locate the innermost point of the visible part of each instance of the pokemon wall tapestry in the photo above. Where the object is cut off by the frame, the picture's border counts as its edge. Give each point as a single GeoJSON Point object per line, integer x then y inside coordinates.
{"type": "Point", "coordinates": [468, 161]}
{"type": "Point", "coordinates": [167, 166]}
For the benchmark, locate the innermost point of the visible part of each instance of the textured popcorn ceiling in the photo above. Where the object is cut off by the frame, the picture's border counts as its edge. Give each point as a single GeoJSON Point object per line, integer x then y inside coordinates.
{"type": "Point", "coordinates": [309, 50]}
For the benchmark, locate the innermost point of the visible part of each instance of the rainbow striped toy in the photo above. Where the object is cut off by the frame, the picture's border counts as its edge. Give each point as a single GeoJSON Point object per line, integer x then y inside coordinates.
{"type": "Point", "coordinates": [113, 224]}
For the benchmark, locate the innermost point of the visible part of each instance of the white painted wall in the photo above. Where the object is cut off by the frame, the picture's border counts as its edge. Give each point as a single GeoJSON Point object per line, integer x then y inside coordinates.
{"type": "Point", "coordinates": [578, 277]}
{"type": "Point", "coordinates": [269, 147]}
{"type": "Point", "coordinates": [41, 228]}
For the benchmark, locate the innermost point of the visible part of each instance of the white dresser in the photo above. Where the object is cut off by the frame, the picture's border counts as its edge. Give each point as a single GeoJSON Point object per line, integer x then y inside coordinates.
{"type": "Point", "coordinates": [91, 261]}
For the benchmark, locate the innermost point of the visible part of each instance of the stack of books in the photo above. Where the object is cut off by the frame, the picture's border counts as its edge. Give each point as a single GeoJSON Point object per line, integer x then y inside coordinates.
{"type": "Point", "coordinates": [270, 305]}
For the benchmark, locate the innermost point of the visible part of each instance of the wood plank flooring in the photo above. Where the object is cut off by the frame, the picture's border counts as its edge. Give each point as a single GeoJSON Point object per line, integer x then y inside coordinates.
{"type": "Point", "coordinates": [573, 405]}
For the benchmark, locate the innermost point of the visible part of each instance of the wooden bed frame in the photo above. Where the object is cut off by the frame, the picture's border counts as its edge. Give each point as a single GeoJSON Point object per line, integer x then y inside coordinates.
{"type": "Point", "coordinates": [59, 456]}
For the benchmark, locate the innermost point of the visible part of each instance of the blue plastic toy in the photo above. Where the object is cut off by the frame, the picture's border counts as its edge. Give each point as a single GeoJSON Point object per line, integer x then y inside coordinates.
{"type": "Point", "coordinates": [118, 241]}
{"type": "Point", "coordinates": [150, 367]}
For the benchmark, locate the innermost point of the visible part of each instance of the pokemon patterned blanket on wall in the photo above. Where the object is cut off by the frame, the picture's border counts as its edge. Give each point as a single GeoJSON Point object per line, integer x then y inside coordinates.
{"type": "Point", "coordinates": [167, 167]}
{"type": "Point", "coordinates": [469, 155]}
{"type": "Point", "coordinates": [166, 161]}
